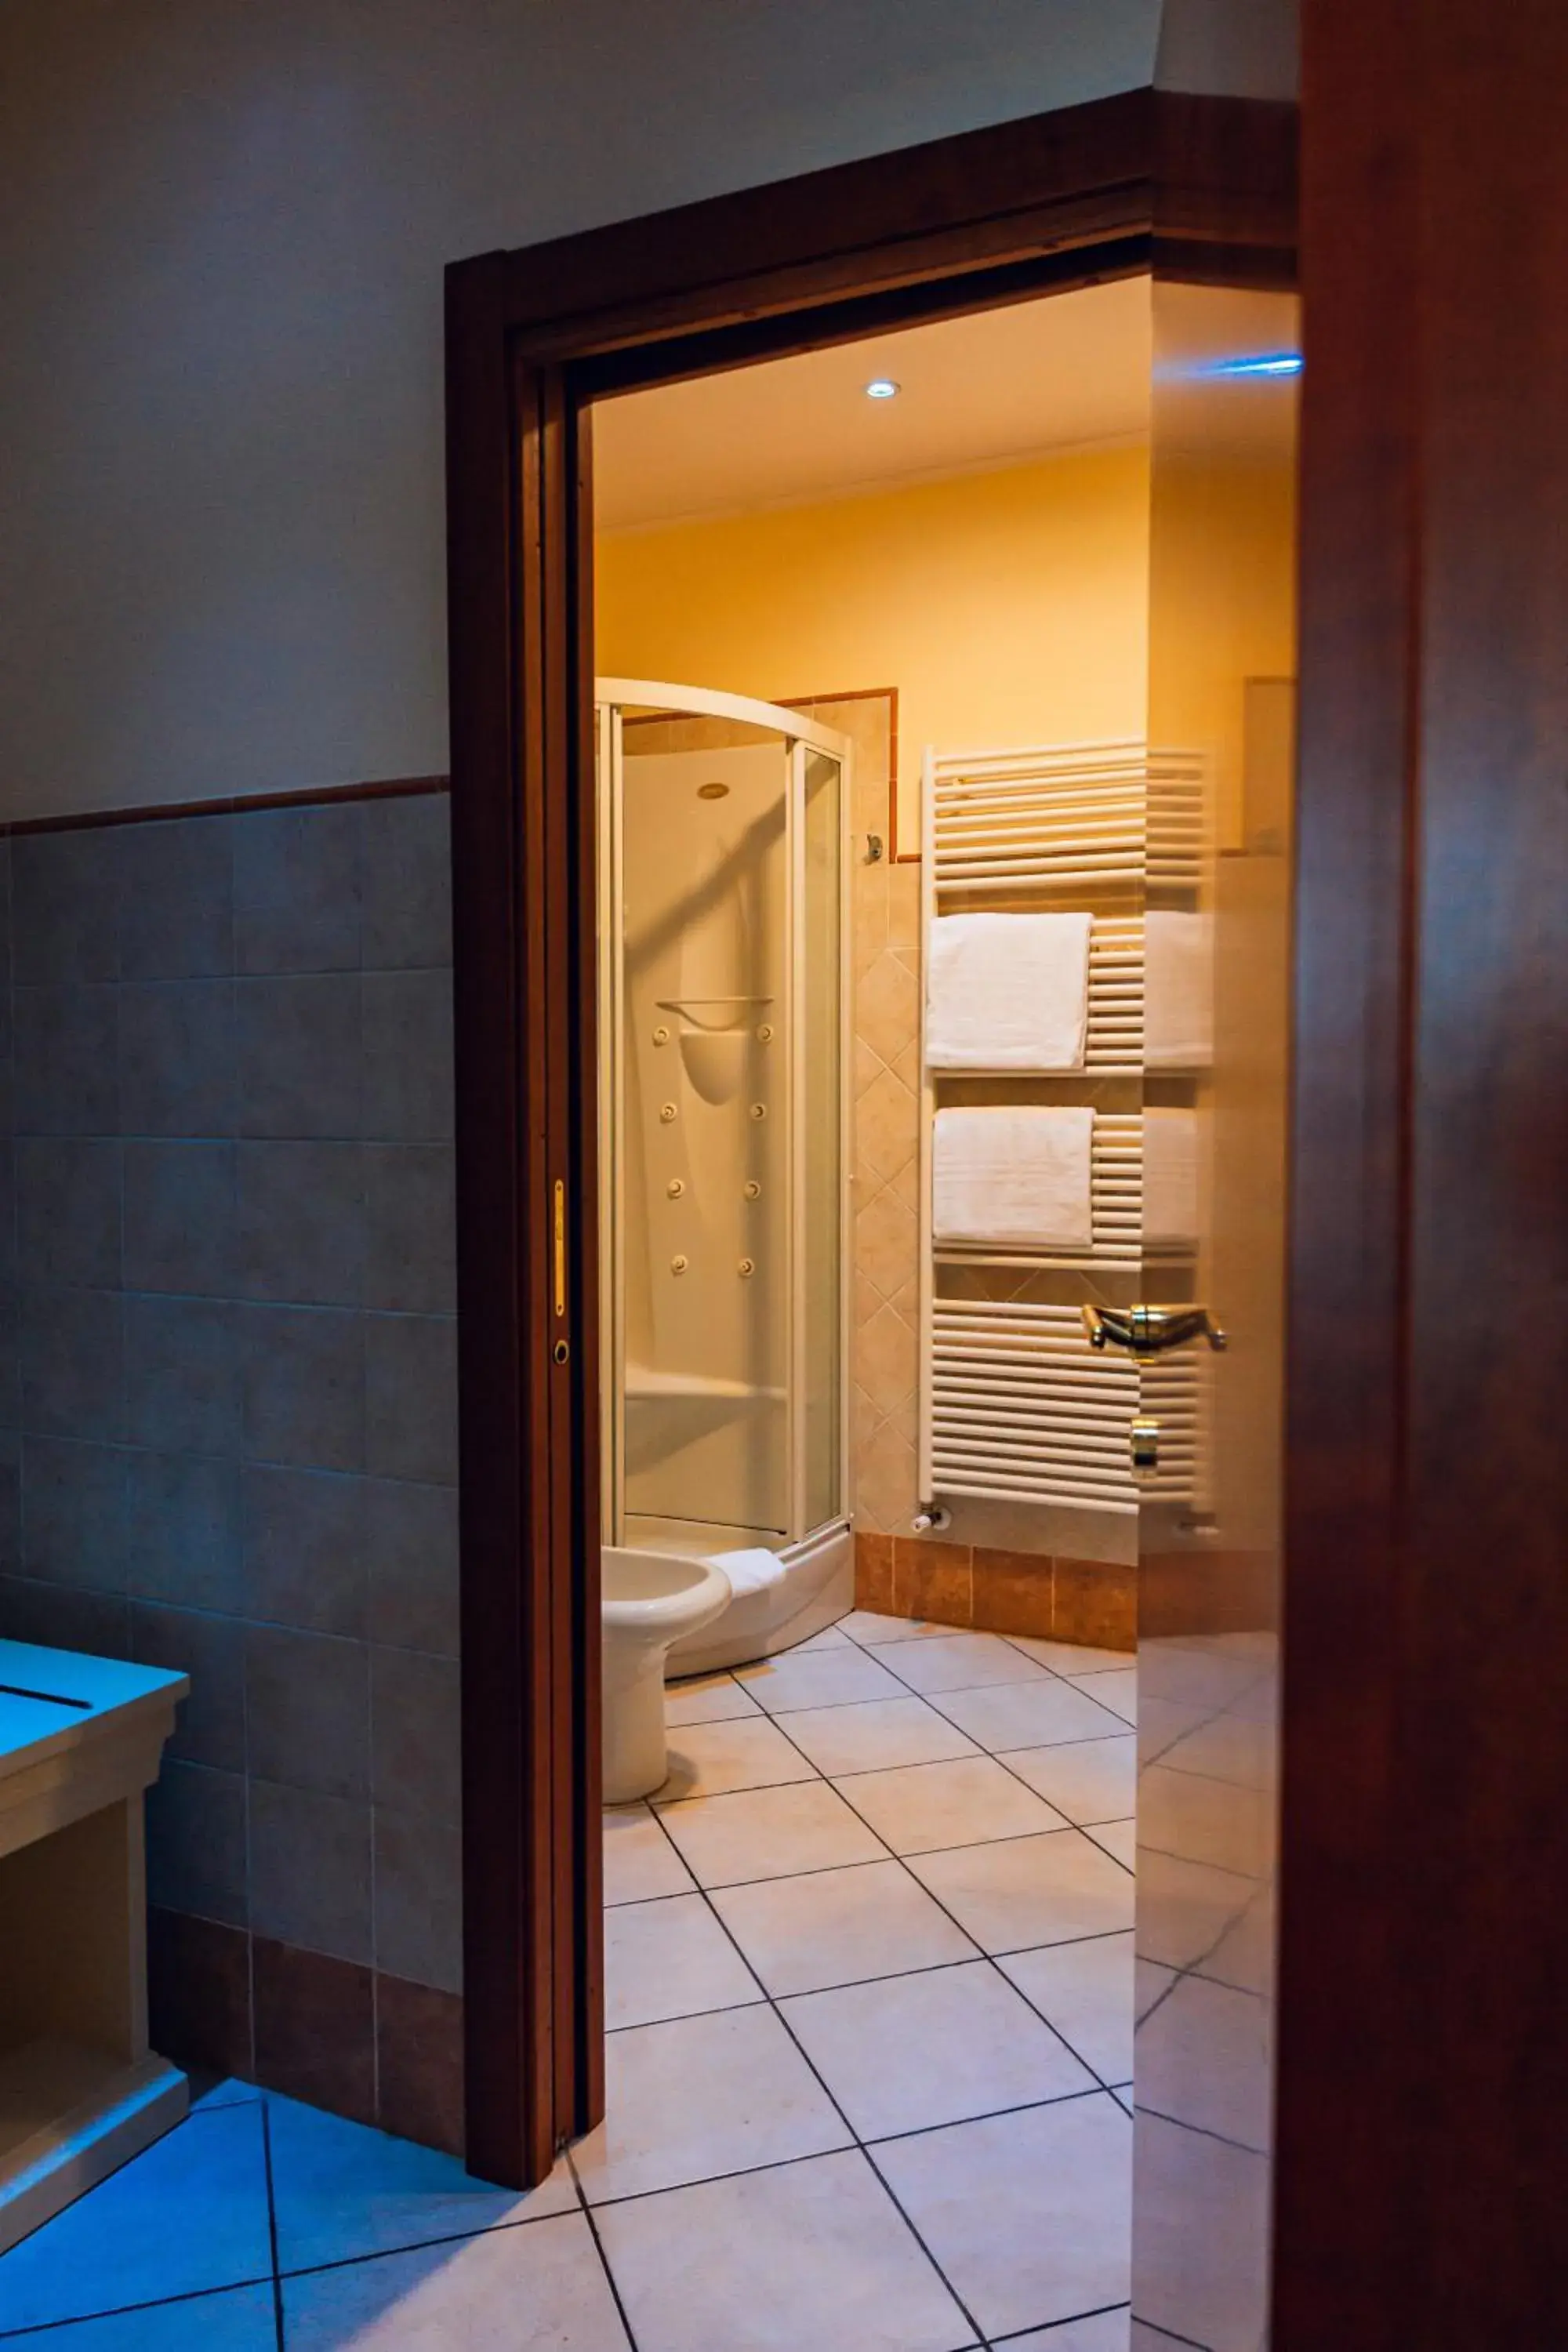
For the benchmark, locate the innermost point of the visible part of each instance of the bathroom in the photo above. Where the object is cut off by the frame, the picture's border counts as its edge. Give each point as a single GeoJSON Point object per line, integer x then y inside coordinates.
{"type": "Point", "coordinates": [876, 1896]}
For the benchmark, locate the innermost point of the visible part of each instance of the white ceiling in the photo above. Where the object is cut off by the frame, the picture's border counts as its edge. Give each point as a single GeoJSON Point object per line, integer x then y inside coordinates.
{"type": "Point", "coordinates": [975, 392]}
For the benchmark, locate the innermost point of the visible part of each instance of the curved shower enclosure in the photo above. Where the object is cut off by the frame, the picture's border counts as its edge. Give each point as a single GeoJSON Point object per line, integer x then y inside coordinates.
{"type": "Point", "coordinates": [723, 1007]}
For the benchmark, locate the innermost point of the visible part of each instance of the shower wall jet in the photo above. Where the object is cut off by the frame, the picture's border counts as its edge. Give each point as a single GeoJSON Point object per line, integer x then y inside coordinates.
{"type": "Point", "coordinates": [724, 1002]}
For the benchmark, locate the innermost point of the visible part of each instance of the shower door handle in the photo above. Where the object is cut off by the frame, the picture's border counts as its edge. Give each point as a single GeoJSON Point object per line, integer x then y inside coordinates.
{"type": "Point", "coordinates": [1147, 1332]}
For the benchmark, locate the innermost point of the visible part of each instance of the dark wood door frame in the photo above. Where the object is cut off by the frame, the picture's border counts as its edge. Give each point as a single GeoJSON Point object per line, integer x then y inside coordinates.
{"type": "Point", "coordinates": [1203, 188]}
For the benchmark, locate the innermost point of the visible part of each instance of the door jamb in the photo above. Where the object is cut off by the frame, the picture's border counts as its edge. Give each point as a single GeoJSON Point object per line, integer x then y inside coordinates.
{"type": "Point", "coordinates": [1198, 187]}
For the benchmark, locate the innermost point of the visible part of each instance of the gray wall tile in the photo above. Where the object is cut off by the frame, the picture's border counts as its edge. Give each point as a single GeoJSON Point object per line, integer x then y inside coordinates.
{"type": "Point", "coordinates": [10, 1358]}
{"type": "Point", "coordinates": [66, 905]}
{"type": "Point", "coordinates": [407, 901]}
{"type": "Point", "coordinates": [301, 1222]}
{"type": "Point", "coordinates": [181, 1530]}
{"type": "Point", "coordinates": [68, 1210]}
{"type": "Point", "coordinates": [176, 898]}
{"type": "Point", "coordinates": [305, 1549]}
{"type": "Point", "coordinates": [410, 1261]}
{"type": "Point", "coordinates": [300, 1057]}
{"type": "Point", "coordinates": [411, 1397]}
{"type": "Point", "coordinates": [197, 1843]}
{"type": "Point", "coordinates": [65, 1617]}
{"type": "Point", "coordinates": [66, 1060]}
{"type": "Point", "coordinates": [211, 1651]}
{"type": "Point", "coordinates": [180, 1218]}
{"type": "Point", "coordinates": [72, 1348]}
{"type": "Point", "coordinates": [73, 1514]}
{"type": "Point", "coordinates": [181, 1374]}
{"type": "Point", "coordinates": [296, 888]}
{"type": "Point", "coordinates": [10, 1502]}
{"type": "Point", "coordinates": [306, 1701]}
{"type": "Point", "coordinates": [419, 1899]}
{"type": "Point", "coordinates": [8, 1090]}
{"type": "Point", "coordinates": [408, 1057]}
{"type": "Point", "coordinates": [310, 1871]}
{"type": "Point", "coordinates": [410, 1538]}
{"type": "Point", "coordinates": [230, 1057]}
{"type": "Point", "coordinates": [176, 1057]}
{"type": "Point", "coordinates": [416, 1733]}
{"type": "Point", "coordinates": [303, 1382]}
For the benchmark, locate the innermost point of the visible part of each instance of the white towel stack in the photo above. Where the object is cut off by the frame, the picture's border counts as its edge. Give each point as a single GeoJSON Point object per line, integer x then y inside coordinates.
{"type": "Point", "coordinates": [1007, 991]}
{"type": "Point", "coordinates": [1178, 990]}
{"type": "Point", "coordinates": [1170, 1177]}
{"type": "Point", "coordinates": [1013, 1175]}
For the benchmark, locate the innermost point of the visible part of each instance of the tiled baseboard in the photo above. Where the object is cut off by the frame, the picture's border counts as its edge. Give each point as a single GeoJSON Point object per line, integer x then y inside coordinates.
{"type": "Point", "coordinates": [360, 2043]}
{"type": "Point", "coordinates": [1090, 1602]}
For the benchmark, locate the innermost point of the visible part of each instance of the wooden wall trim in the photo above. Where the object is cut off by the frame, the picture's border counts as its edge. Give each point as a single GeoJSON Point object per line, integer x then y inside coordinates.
{"type": "Point", "coordinates": [388, 788]}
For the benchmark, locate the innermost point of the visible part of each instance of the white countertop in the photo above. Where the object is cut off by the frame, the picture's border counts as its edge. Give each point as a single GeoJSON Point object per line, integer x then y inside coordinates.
{"type": "Point", "coordinates": [57, 1698]}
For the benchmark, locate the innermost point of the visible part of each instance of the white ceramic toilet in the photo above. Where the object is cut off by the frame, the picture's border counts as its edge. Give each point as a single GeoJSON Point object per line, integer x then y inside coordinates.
{"type": "Point", "coordinates": [650, 1600]}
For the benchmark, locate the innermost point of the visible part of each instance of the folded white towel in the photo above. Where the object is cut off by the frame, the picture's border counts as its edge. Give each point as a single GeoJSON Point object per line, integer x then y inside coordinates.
{"type": "Point", "coordinates": [1007, 991]}
{"type": "Point", "coordinates": [751, 1571]}
{"type": "Point", "coordinates": [1178, 990]}
{"type": "Point", "coordinates": [1017, 1175]}
{"type": "Point", "coordinates": [1170, 1176]}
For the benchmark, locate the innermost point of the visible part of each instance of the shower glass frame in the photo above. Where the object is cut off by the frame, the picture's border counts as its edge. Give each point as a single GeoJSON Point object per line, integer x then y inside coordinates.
{"type": "Point", "coordinates": [802, 738]}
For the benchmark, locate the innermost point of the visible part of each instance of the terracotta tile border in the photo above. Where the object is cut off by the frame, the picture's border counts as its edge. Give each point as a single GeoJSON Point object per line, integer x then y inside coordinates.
{"type": "Point", "coordinates": [1090, 1602]}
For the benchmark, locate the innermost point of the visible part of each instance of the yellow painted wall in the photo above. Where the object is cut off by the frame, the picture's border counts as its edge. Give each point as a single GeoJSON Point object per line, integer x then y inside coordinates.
{"type": "Point", "coordinates": [1006, 607]}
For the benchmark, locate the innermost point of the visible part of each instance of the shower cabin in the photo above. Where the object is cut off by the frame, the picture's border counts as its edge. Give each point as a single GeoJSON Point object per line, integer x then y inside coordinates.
{"type": "Point", "coordinates": [724, 1004]}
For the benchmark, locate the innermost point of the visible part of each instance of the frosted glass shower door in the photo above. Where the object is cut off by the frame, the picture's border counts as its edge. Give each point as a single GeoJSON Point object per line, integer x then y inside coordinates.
{"type": "Point", "coordinates": [818, 875]}
{"type": "Point", "coordinates": [705, 1058]}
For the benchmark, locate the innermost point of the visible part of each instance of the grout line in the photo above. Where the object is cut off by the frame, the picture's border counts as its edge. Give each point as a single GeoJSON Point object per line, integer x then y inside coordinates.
{"type": "Point", "coordinates": [128, 2310]}
{"type": "Point", "coordinates": [855, 2136]}
{"type": "Point", "coordinates": [994, 1960]}
{"type": "Point", "coordinates": [611, 2280]}
{"type": "Point", "coordinates": [272, 2223]}
{"type": "Point", "coordinates": [1021, 2334]}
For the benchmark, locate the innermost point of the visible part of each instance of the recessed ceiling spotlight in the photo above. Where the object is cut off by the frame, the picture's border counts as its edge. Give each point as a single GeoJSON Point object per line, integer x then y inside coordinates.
{"type": "Point", "coordinates": [882, 387]}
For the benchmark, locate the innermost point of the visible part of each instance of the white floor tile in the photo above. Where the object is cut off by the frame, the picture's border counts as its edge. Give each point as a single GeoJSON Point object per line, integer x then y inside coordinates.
{"type": "Point", "coordinates": [1118, 1691]}
{"type": "Point", "coordinates": [963, 1662]}
{"type": "Point", "coordinates": [1085, 1779]}
{"type": "Point", "coordinates": [1036, 1714]}
{"type": "Point", "coordinates": [1120, 1840]}
{"type": "Point", "coordinates": [341, 2191]}
{"type": "Point", "coordinates": [877, 1736]}
{"type": "Point", "coordinates": [814, 2257]}
{"type": "Point", "coordinates": [841, 1926]}
{"type": "Point", "coordinates": [1086, 1991]}
{"type": "Point", "coordinates": [706, 1698]}
{"type": "Point", "coordinates": [1071, 1657]}
{"type": "Point", "coordinates": [824, 1678]}
{"type": "Point", "coordinates": [640, 1860]}
{"type": "Point", "coordinates": [1203, 2059]}
{"type": "Point", "coordinates": [922, 1807]}
{"type": "Point", "coordinates": [115, 2246]}
{"type": "Point", "coordinates": [540, 2289]}
{"type": "Point", "coordinates": [918, 2050]}
{"type": "Point", "coordinates": [1027, 1891]}
{"type": "Point", "coordinates": [669, 1960]}
{"type": "Point", "coordinates": [870, 1626]}
{"type": "Point", "coordinates": [702, 2097]}
{"type": "Point", "coordinates": [706, 1758]}
{"type": "Point", "coordinates": [832, 1637]}
{"type": "Point", "coordinates": [236, 2319]}
{"type": "Point", "coordinates": [769, 1834]}
{"type": "Point", "coordinates": [1029, 2215]}
{"type": "Point", "coordinates": [1106, 2331]}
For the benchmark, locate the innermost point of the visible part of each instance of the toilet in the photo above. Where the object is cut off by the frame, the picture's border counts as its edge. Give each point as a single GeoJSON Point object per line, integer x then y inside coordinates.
{"type": "Point", "coordinates": [651, 1599]}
